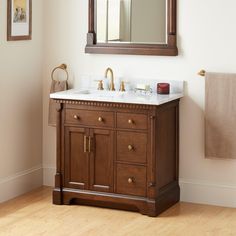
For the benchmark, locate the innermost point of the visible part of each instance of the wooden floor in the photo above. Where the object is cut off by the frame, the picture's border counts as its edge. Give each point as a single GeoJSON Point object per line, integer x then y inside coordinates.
{"type": "Point", "coordinates": [33, 214]}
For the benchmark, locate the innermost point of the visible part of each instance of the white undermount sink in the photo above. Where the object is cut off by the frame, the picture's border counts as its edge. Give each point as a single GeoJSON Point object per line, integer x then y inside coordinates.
{"type": "Point", "coordinates": [100, 93]}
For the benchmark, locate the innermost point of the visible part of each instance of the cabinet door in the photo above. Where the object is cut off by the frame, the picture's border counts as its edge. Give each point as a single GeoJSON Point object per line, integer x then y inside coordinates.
{"type": "Point", "coordinates": [101, 160]}
{"type": "Point", "coordinates": [76, 158]}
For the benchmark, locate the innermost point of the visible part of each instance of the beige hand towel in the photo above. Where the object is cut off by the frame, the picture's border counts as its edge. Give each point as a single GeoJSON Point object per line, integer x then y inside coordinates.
{"type": "Point", "coordinates": [220, 116]}
{"type": "Point", "coordinates": [56, 86]}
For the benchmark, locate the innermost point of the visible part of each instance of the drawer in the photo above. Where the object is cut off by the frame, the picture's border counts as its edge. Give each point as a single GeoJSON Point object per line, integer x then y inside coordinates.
{"type": "Point", "coordinates": [131, 180]}
{"type": "Point", "coordinates": [131, 121]}
{"type": "Point", "coordinates": [91, 118]}
{"type": "Point", "coordinates": [131, 147]}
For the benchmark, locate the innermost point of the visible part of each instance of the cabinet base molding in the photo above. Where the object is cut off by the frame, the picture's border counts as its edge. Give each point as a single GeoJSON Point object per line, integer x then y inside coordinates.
{"type": "Point", "coordinates": [168, 197]}
{"type": "Point", "coordinates": [57, 196]}
{"type": "Point", "coordinates": [150, 207]}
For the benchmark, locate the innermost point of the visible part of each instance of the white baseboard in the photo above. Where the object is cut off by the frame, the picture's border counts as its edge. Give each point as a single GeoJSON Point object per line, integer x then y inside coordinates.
{"type": "Point", "coordinates": [207, 193]}
{"type": "Point", "coordinates": [190, 190]}
{"type": "Point", "coordinates": [20, 183]}
{"type": "Point", "coordinates": [49, 176]}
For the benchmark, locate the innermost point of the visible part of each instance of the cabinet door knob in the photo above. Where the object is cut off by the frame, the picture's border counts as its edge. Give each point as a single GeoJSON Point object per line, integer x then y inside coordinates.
{"type": "Point", "coordinates": [76, 117]}
{"type": "Point", "coordinates": [151, 184]}
{"type": "Point", "coordinates": [100, 119]}
{"type": "Point", "coordinates": [130, 121]}
{"type": "Point", "coordinates": [130, 180]}
{"type": "Point", "coordinates": [130, 147]}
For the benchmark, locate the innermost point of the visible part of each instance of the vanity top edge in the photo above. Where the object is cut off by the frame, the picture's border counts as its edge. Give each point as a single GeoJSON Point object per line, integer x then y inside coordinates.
{"type": "Point", "coordinates": [126, 97]}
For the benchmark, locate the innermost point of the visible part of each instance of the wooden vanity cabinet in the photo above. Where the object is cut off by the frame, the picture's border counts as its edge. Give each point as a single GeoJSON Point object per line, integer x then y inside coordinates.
{"type": "Point", "coordinates": [122, 156]}
{"type": "Point", "coordinates": [89, 159]}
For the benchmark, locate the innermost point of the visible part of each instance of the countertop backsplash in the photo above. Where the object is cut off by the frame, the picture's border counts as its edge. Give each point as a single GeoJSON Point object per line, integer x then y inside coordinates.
{"type": "Point", "coordinates": [91, 82]}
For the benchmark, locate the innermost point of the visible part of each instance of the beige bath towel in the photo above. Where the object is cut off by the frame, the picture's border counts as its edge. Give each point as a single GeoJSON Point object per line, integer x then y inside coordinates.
{"type": "Point", "coordinates": [220, 116]}
{"type": "Point", "coordinates": [56, 86]}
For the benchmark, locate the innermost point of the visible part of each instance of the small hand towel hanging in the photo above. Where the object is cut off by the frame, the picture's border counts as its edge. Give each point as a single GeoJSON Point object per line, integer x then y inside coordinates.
{"type": "Point", "coordinates": [56, 86]}
{"type": "Point", "coordinates": [220, 116]}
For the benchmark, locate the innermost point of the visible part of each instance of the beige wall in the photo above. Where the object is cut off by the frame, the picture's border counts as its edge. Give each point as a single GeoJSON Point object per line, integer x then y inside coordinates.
{"type": "Point", "coordinates": [205, 40]}
{"type": "Point", "coordinates": [20, 108]}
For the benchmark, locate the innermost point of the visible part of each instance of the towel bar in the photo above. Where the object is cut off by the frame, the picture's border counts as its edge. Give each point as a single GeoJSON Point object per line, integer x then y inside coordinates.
{"type": "Point", "coordinates": [62, 67]}
{"type": "Point", "coordinates": [202, 73]}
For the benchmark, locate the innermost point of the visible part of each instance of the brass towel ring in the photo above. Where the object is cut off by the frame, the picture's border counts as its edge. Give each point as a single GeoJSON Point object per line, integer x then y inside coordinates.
{"type": "Point", "coordinates": [62, 67]}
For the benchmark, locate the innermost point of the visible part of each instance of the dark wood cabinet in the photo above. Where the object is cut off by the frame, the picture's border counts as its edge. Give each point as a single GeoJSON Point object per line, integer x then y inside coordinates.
{"type": "Point", "coordinates": [89, 159]}
{"type": "Point", "coordinates": [101, 160]}
{"type": "Point", "coordinates": [76, 160]}
{"type": "Point", "coordinates": [131, 180]}
{"type": "Point", "coordinates": [122, 156]}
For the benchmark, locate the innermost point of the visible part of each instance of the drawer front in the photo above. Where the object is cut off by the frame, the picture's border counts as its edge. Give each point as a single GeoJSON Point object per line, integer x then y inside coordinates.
{"type": "Point", "coordinates": [132, 147]}
{"type": "Point", "coordinates": [93, 118]}
{"type": "Point", "coordinates": [131, 121]}
{"type": "Point", "coordinates": [131, 180]}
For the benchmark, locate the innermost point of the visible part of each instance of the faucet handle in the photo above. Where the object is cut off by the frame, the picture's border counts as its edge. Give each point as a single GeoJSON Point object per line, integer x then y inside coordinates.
{"type": "Point", "coordinates": [100, 84]}
{"type": "Point", "coordinates": [122, 85]}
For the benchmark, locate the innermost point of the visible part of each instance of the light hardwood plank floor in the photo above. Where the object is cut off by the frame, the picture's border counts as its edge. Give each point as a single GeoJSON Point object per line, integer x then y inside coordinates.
{"type": "Point", "coordinates": [34, 214]}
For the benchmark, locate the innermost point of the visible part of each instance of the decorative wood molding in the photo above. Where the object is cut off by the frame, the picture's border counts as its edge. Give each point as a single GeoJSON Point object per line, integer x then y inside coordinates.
{"type": "Point", "coordinates": [58, 107]}
{"type": "Point", "coordinates": [107, 104]}
{"type": "Point", "coordinates": [58, 180]}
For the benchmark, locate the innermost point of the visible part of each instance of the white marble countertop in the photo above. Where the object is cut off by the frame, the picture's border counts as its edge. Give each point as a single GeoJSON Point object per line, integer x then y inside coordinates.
{"type": "Point", "coordinates": [116, 97]}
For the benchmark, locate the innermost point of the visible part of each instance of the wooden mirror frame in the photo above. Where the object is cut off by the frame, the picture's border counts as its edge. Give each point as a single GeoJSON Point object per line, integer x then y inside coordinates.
{"type": "Point", "coordinates": [169, 49]}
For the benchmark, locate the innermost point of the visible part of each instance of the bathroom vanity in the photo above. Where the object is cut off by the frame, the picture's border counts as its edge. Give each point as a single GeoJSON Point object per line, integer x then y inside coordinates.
{"type": "Point", "coordinates": [117, 151]}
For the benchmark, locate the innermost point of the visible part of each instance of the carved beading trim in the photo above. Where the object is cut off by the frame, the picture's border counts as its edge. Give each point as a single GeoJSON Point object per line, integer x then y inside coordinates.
{"type": "Point", "coordinates": [105, 104]}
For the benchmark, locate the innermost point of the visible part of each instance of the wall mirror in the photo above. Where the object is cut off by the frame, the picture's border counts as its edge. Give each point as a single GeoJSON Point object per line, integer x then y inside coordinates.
{"type": "Point", "coordinates": [140, 27]}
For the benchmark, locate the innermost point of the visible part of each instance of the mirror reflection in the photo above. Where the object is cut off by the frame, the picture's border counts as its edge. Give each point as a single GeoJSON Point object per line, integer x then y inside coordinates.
{"type": "Point", "coordinates": [131, 21]}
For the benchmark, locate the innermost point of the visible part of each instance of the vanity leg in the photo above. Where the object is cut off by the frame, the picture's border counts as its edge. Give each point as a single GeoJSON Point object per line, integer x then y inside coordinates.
{"type": "Point", "coordinates": [57, 196]}
{"type": "Point", "coordinates": [57, 191]}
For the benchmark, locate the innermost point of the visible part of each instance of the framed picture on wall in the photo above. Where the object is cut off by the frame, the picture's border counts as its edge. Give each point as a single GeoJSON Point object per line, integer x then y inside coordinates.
{"type": "Point", "coordinates": [19, 20]}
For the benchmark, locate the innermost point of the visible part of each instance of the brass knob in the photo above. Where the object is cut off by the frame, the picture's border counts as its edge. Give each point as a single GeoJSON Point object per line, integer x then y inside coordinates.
{"type": "Point", "coordinates": [100, 119]}
{"type": "Point", "coordinates": [130, 121]}
{"type": "Point", "coordinates": [130, 147]}
{"type": "Point", "coordinates": [130, 180]}
{"type": "Point", "coordinates": [151, 184]}
{"type": "Point", "coordinates": [76, 117]}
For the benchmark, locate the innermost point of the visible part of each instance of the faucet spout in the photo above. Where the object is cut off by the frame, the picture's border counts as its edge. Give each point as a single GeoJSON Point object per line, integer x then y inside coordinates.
{"type": "Point", "coordinates": [111, 85]}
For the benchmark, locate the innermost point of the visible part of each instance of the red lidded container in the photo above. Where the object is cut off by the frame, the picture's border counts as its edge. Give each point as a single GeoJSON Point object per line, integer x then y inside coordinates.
{"type": "Point", "coordinates": [163, 88]}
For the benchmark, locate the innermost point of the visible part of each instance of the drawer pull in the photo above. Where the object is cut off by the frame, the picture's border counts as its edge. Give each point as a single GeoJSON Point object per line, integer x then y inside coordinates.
{"type": "Point", "coordinates": [130, 121]}
{"type": "Point", "coordinates": [89, 145]}
{"type": "Point", "coordinates": [130, 147]}
{"type": "Point", "coordinates": [130, 180]}
{"type": "Point", "coordinates": [76, 117]}
{"type": "Point", "coordinates": [100, 119]}
{"type": "Point", "coordinates": [85, 144]}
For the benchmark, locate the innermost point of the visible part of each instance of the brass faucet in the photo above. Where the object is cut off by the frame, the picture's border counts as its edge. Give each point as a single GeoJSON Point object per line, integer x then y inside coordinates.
{"type": "Point", "coordinates": [111, 85]}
